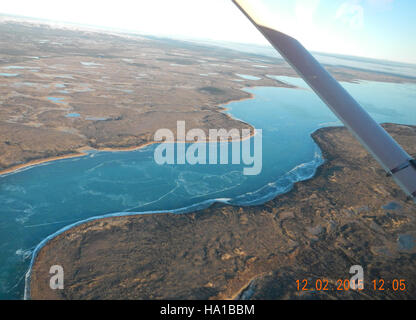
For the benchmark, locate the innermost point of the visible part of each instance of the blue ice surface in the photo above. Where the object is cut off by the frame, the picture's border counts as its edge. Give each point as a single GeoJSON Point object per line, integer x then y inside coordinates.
{"type": "Point", "coordinates": [38, 201]}
{"type": "Point", "coordinates": [56, 100]}
{"type": "Point", "coordinates": [72, 115]}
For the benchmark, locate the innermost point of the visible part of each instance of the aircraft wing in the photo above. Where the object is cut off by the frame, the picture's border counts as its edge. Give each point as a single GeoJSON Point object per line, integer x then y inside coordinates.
{"type": "Point", "coordinates": [397, 162]}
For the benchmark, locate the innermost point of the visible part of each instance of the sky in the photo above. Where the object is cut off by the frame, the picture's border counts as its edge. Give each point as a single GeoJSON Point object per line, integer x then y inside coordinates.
{"type": "Point", "coordinates": [381, 29]}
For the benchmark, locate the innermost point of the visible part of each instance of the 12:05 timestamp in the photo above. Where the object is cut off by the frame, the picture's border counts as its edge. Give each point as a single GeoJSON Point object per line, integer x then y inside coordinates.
{"type": "Point", "coordinates": [345, 285]}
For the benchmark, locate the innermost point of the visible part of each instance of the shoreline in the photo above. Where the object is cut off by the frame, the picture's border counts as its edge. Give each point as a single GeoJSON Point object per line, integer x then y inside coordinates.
{"type": "Point", "coordinates": [81, 152]}
{"type": "Point", "coordinates": [45, 241]}
{"type": "Point", "coordinates": [184, 211]}
{"type": "Point", "coordinates": [33, 163]}
{"type": "Point", "coordinates": [234, 290]}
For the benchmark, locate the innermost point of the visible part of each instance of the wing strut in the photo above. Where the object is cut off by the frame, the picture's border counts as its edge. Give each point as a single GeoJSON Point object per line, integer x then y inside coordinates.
{"type": "Point", "coordinates": [397, 162]}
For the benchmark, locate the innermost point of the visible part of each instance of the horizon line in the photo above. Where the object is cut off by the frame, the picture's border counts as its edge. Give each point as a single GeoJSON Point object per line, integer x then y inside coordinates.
{"type": "Point", "coordinates": [192, 39]}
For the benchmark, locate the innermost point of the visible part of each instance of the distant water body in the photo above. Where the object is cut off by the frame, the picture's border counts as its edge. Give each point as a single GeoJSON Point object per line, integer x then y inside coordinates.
{"type": "Point", "coordinates": [379, 66]}
{"type": "Point", "coordinates": [39, 201]}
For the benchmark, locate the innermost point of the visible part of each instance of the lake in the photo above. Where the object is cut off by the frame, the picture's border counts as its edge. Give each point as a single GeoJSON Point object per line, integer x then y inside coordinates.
{"type": "Point", "coordinates": [38, 201]}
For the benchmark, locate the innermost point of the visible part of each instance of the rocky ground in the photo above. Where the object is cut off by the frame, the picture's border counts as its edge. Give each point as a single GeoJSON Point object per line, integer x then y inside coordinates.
{"type": "Point", "coordinates": [350, 213]}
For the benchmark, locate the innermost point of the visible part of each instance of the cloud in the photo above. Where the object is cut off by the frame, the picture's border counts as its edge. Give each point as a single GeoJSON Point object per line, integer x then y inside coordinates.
{"type": "Point", "coordinates": [351, 13]}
